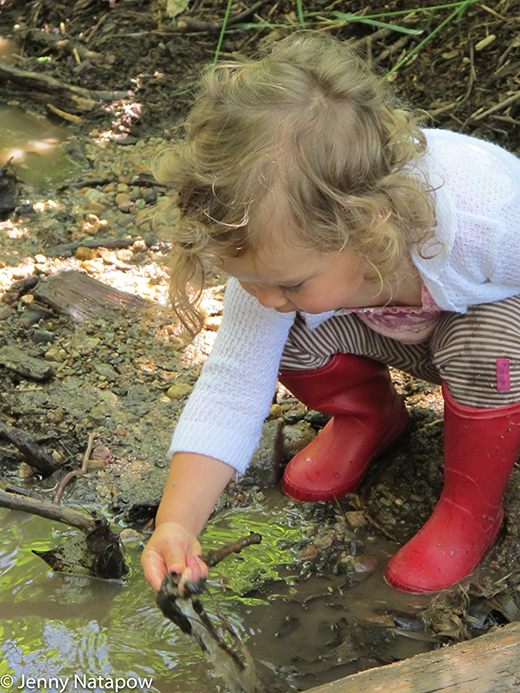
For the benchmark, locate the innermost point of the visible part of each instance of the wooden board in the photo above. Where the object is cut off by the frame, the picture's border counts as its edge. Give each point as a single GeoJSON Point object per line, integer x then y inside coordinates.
{"type": "Point", "coordinates": [488, 664]}
{"type": "Point", "coordinates": [82, 297]}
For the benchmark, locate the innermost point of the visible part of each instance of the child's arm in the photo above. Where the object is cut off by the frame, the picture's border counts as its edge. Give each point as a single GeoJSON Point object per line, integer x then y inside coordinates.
{"type": "Point", "coordinates": [193, 487]}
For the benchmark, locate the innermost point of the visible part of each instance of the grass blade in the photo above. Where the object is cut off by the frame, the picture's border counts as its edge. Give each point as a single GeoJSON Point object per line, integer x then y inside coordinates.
{"type": "Point", "coordinates": [222, 32]}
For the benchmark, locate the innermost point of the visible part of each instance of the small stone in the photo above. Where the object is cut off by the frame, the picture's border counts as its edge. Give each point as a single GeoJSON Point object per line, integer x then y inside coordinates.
{"type": "Point", "coordinates": [55, 416]}
{"type": "Point", "coordinates": [325, 541]}
{"type": "Point", "coordinates": [53, 355]}
{"type": "Point", "coordinates": [178, 390]}
{"type": "Point", "coordinates": [212, 322]}
{"type": "Point", "coordinates": [124, 202]}
{"type": "Point", "coordinates": [42, 336]}
{"type": "Point", "coordinates": [308, 553]}
{"type": "Point", "coordinates": [106, 371]}
{"type": "Point", "coordinates": [99, 413]}
{"type": "Point", "coordinates": [361, 564]}
{"type": "Point", "coordinates": [129, 537]}
{"type": "Point", "coordinates": [101, 453]}
{"type": "Point", "coordinates": [92, 266]}
{"type": "Point", "coordinates": [108, 256]}
{"type": "Point", "coordinates": [57, 457]}
{"type": "Point", "coordinates": [297, 437]}
{"type": "Point", "coordinates": [108, 396]}
{"type": "Point", "coordinates": [356, 518]}
{"type": "Point", "coordinates": [25, 471]}
{"type": "Point", "coordinates": [83, 253]}
{"type": "Point", "coordinates": [275, 411]}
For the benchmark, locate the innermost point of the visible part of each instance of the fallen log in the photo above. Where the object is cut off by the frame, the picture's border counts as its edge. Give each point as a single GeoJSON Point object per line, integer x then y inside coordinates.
{"type": "Point", "coordinates": [490, 662]}
{"type": "Point", "coordinates": [50, 511]}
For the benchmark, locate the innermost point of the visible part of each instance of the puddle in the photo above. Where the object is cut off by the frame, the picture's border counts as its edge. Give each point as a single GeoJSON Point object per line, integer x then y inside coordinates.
{"type": "Point", "coordinates": [31, 142]}
{"type": "Point", "coordinates": [54, 625]}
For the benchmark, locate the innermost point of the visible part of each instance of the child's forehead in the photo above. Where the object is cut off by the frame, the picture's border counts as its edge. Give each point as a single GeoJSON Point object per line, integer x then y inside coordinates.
{"type": "Point", "coordinates": [275, 263]}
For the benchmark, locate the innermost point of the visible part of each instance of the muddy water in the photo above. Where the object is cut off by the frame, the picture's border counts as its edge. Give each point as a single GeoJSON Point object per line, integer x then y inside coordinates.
{"type": "Point", "coordinates": [31, 142]}
{"type": "Point", "coordinates": [54, 625]}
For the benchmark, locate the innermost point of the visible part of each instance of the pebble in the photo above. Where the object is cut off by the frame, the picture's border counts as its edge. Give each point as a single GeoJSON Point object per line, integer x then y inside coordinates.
{"type": "Point", "coordinates": [297, 437]}
{"type": "Point", "coordinates": [129, 537]}
{"type": "Point", "coordinates": [124, 202]}
{"type": "Point", "coordinates": [178, 390]}
{"type": "Point", "coordinates": [106, 371]}
{"type": "Point", "coordinates": [356, 518]}
{"type": "Point", "coordinates": [42, 336]}
{"type": "Point", "coordinates": [83, 253]}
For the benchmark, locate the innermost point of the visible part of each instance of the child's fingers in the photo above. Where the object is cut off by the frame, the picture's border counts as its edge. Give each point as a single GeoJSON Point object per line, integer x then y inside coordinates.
{"type": "Point", "coordinates": [154, 569]}
{"type": "Point", "coordinates": [197, 569]}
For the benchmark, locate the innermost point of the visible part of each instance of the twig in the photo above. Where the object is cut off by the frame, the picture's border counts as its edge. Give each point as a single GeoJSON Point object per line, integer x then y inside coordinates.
{"type": "Point", "coordinates": [68, 477]}
{"type": "Point", "coordinates": [32, 453]}
{"type": "Point", "coordinates": [186, 25]}
{"type": "Point", "coordinates": [381, 529]}
{"type": "Point", "coordinates": [76, 97]}
{"type": "Point", "coordinates": [498, 106]}
{"type": "Point", "coordinates": [82, 521]}
{"type": "Point", "coordinates": [9, 488]}
{"type": "Point", "coordinates": [214, 557]}
{"type": "Point", "coordinates": [68, 249]}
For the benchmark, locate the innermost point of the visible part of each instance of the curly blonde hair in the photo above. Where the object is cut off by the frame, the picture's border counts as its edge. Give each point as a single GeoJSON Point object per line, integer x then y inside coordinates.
{"type": "Point", "coordinates": [312, 121]}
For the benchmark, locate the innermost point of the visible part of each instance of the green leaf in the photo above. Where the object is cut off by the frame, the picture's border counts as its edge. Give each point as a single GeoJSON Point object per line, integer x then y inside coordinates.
{"type": "Point", "coordinates": [175, 7]}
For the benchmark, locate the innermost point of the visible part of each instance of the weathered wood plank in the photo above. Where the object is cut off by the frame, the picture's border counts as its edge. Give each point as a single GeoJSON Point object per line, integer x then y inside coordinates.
{"type": "Point", "coordinates": [82, 297]}
{"type": "Point", "coordinates": [488, 664]}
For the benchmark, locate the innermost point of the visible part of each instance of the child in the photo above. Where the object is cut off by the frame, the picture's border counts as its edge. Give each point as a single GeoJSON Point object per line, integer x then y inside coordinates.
{"type": "Point", "coordinates": [353, 241]}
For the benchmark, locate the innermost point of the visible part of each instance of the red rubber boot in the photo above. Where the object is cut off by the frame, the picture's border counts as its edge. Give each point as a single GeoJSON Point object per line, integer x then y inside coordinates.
{"type": "Point", "coordinates": [368, 416]}
{"type": "Point", "coordinates": [481, 447]}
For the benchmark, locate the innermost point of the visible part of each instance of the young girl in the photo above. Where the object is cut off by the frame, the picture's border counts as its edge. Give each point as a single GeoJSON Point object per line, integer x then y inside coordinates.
{"type": "Point", "coordinates": [353, 241]}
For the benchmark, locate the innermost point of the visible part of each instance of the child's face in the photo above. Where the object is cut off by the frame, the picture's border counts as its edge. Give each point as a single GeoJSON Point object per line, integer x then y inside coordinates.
{"type": "Point", "coordinates": [289, 279]}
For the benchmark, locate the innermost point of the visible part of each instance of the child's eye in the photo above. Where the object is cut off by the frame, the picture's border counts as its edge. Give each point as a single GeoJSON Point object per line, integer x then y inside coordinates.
{"type": "Point", "coordinates": [291, 289]}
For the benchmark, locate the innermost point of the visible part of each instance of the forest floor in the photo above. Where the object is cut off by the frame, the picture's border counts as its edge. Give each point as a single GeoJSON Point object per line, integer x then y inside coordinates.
{"type": "Point", "coordinates": [121, 75]}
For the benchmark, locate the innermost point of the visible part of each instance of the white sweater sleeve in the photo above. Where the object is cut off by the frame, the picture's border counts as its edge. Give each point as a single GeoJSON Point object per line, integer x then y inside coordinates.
{"type": "Point", "coordinates": [224, 414]}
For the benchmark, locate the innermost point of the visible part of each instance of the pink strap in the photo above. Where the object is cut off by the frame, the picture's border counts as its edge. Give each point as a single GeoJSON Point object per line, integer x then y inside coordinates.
{"type": "Point", "coordinates": [503, 381]}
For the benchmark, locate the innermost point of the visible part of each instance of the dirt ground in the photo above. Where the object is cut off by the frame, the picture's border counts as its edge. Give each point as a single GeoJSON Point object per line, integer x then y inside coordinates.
{"type": "Point", "coordinates": [124, 373]}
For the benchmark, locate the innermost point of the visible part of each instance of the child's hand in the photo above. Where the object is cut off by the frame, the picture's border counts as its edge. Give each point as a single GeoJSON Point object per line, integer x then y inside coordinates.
{"type": "Point", "coordinates": [172, 548]}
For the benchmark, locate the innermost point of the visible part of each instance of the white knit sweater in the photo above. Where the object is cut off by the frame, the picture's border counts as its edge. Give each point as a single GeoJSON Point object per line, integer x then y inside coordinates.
{"type": "Point", "coordinates": [475, 258]}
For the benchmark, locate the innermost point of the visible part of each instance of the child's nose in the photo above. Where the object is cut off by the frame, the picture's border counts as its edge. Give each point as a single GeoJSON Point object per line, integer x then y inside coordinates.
{"type": "Point", "coordinates": [267, 296]}
{"type": "Point", "coordinates": [270, 297]}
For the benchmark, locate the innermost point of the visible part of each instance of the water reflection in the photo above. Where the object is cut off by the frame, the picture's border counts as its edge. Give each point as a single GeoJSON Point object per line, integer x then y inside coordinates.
{"type": "Point", "coordinates": [32, 144]}
{"type": "Point", "coordinates": [325, 626]}
{"type": "Point", "coordinates": [62, 625]}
